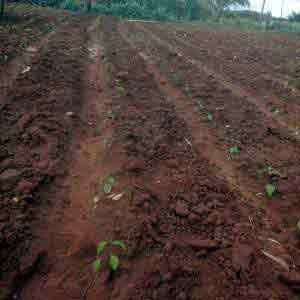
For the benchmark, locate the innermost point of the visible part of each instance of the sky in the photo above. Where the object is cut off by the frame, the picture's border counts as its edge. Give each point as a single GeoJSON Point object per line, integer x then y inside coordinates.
{"type": "Point", "coordinates": [275, 6]}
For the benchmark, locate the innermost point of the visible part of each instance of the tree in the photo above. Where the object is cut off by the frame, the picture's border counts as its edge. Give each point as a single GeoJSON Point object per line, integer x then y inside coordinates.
{"type": "Point", "coordinates": [294, 17]}
{"type": "Point", "coordinates": [89, 5]}
{"type": "Point", "coordinates": [282, 8]}
{"type": "Point", "coordinates": [262, 10]}
{"type": "Point", "coordinates": [217, 7]}
{"type": "Point", "coordinates": [2, 9]}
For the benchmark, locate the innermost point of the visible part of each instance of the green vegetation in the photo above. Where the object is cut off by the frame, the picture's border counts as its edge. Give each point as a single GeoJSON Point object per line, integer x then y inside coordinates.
{"type": "Point", "coordinates": [112, 260]}
{"type": "Point", "coordinates": [107, 182]}
{"type": "Point", "coordinates": [179, 10]}
{"type": "Point", "coordinates": [234, 150]}
{"type": "Point", "coordinates": [210, 117]}
{"type": "Point", "coordinates": [270, 190]}
{"type": "Point", "coordinates": [214, 12]}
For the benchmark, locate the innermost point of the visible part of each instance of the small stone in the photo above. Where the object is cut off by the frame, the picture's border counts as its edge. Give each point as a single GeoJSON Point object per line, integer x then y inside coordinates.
{"type": "Point", "coordinates": [168, 247]}
{"type": "Point", "coordinates": [9, 174]}
{"type": "Point", "coordinates": [96, 199]}
{"type": "Point", "coordinates": [167, 277]}
{"type": "Point", "coordinates": [193, 218]}
{"type": "Point", "coordinates": [182, 296]}
{"type": "Point", "coordinates": [202, 253]}
{"type": "Point", "coordinates": [242, 257]}
{"type": "Point", "coordinates": [24, 187]}
{"type": "Point", "coordinates": [70, 114]}
{"type": "Point", "coordinates": [202, 244]}
{"type": "Point", "coordinates": [122, 75]}
{"type": "Point", "coordinates": [200, 209]}
{"type": "Point", "coordinates": [9, 178]}
{"type": "Point", "coordinates": [31, 49]}
{"type": "Point", "coordinates": [291, 279]}
{"type": "Point", "coordinates": [181, 209]}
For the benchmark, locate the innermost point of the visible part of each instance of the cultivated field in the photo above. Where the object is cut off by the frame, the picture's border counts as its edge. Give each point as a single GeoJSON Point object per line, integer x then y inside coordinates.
{"type": "Point", "coordinates": [177, 142]}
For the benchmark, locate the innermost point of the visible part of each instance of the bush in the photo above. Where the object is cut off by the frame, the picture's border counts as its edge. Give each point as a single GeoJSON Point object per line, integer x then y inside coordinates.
{"type": "Point", "coordinates": [294, 17]}
{"type": "Point", "coordinates": [131, 10]}
{"type": "Point", "coordinates": [72, 5]}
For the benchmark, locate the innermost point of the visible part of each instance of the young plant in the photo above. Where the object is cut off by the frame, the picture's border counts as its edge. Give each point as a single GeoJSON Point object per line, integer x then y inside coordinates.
{"type": "Point", "coordinates": [113, 260]}
{"type": "Point", "coordinates": [234, 150]}
{"type": "Point", "coordinates": [270, 190]}
{"type": "Point", "coordinates": [210, 117]}
{"type": "Point", "coordinates": [120, 90]}
{"type": "Point", "coordinates": [107, 182]}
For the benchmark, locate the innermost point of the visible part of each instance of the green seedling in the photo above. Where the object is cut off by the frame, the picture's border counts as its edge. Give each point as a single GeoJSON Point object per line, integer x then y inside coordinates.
{"type": "Point", "coordinates": [120, 90]}
{"type": "Point", "coordinates": [275, 110]}
{"type": "Point", "coordinates": [107, 182]}
{"type": "Point", "coordinates": [234, 150]}
{"type": "Point", "coordinates": [113, 260]}
{"type": "Point", "coordinates": [210, 117]}
{"type": "Point", "coordinates": [270, 190]}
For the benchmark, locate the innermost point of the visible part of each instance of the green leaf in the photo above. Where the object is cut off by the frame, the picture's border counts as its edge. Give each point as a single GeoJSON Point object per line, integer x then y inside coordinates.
{"type": "Point", "coordinates": [97, 265]}
{"type": "Point", "coordinates": [270, 190]}
{"type": "Point", "coordinates": [100, 247]}
{"type": "Point", "coordinates": [210, 117]}
{"type": "Point", "coordinates": [113, 262]}
{"type": "Point", "coordinates": [234, 150]}
{"type": "Point", "coordinates": [110, 179]}
{"type": "Point", "coordinates": [119, 243]}
{"type": "Point", "coordinates": [107, 188]}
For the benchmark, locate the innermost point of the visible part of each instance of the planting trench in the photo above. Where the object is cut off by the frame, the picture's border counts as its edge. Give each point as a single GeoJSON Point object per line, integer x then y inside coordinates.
{"type": "Point", "coordinates": [35, 134]}
{"type": "Point", "coordinates": [268, 66]}
{"type": "Point", "coordinates": [236, 122]}
{"type": "Point", "coordinates": [189, 234]}
{"type": "Point", "coordinates": [239, 78]}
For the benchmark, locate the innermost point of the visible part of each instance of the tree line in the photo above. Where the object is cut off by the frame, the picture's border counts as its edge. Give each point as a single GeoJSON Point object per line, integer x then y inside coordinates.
{"type": "Point", "coordinates": [168, 9]}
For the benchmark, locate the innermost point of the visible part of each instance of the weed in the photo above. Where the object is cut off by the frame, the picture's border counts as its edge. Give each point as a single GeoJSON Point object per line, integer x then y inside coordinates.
{"type": "Point", "coordinates": [200, 105]}
{"type": "Point", "coordinates": [177, 77]}
{"type": "Point", "coordinates": [188, 91]}
{"type": "Point", "coordinates": [270, 190]}
{"type": "Point", "coordinates": [113, 260]}
{"type": "Point", "coordinates": [269, 170]}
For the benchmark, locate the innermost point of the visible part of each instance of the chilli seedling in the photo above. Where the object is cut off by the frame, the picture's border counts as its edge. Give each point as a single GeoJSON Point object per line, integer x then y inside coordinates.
{"type": "Point", "coordinates": [210, 117]}
{"type": "Point", "coordinates": [270, 190]}
{"type": "Point", "coordinates": [233, 151]}
{"type": "Point", "coordinates": [107, 182]}
{"type": "Point", "coordinates": [112, 260]}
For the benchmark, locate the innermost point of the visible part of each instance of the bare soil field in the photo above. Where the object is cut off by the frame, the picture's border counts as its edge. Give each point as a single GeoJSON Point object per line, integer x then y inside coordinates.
{"type": "Point", "coordinates": [176, 144]}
